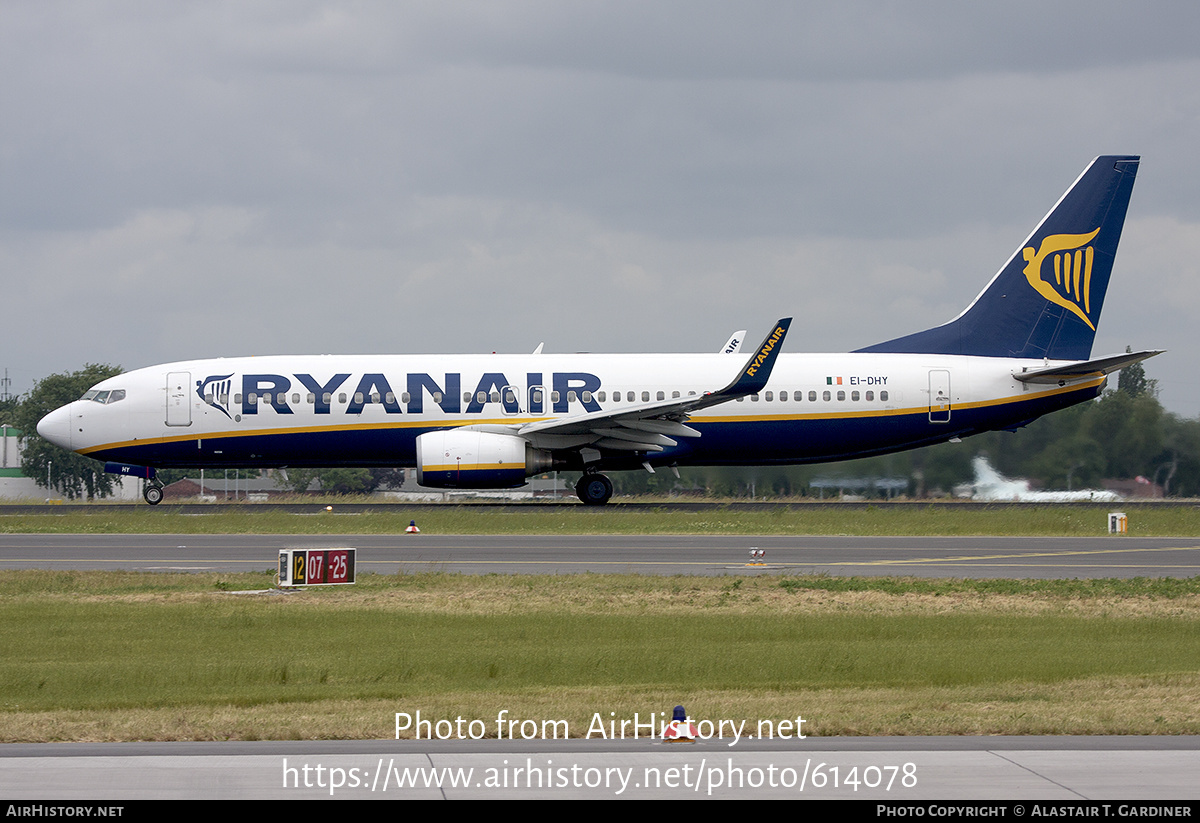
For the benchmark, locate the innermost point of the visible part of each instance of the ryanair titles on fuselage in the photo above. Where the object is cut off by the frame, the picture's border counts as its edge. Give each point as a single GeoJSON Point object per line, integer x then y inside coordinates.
{"type": "Point", "coordinates": [358, 391]}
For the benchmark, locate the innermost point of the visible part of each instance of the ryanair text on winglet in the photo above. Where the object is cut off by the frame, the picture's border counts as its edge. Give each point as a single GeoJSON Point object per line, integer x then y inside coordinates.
{"type": "Point", "coordinates": [765, 351]}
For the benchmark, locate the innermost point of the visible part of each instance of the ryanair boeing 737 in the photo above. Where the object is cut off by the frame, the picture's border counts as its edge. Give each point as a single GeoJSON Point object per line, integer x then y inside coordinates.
{"type": "Point", "coordinates": [1020, 350]}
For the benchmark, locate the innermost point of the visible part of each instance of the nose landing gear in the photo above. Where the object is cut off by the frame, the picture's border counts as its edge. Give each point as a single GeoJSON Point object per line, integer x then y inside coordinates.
{"type": "Point", "coordinates": [153, 493]}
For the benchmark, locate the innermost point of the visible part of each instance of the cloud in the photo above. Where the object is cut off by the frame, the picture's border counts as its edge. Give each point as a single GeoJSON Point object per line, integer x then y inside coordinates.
{"type": "Point", "coordinates": [222, 178]}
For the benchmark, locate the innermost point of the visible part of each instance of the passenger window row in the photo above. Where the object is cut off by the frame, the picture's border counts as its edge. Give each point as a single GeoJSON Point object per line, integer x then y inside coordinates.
{"type": "Point", "coordinates": [494, 397]}
{"type": "Point", "coordinates": [798, 396]}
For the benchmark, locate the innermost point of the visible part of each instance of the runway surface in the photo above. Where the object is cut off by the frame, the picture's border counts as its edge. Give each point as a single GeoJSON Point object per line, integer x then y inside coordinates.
{"type": "Point", "coordinates": [1059, 771]}
{"type": "Point", "coordinates": [1020, 557]}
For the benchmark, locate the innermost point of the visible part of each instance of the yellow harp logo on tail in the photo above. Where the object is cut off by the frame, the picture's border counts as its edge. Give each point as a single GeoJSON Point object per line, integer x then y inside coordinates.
{"type": "Point", "coordinates": [1072, 265]}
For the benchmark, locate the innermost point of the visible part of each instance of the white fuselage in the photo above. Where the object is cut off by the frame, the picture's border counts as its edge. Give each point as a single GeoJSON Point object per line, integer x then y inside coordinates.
{"type": "Point", "coordinates": [368, 410]}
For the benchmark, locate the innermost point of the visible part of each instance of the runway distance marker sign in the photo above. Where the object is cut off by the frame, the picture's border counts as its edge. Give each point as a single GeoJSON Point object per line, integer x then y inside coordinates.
{"type": "Point", "coordinates": [316, 567]}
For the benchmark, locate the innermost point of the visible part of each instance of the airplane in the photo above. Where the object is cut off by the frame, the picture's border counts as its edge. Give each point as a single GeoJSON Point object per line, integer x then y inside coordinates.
{"type": "Point", "coordinates": [991, 486]}
{"type": "Point", "coordinates": [1020, 350]}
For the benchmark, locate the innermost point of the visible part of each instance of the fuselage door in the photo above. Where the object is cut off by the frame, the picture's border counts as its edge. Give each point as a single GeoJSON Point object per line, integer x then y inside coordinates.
{"type": "Point", "coordinates": [179, 403]}
{"type": "Point", "coordinates": [939, 396]}
{"type": "Point", "coordinates": [537, 399]}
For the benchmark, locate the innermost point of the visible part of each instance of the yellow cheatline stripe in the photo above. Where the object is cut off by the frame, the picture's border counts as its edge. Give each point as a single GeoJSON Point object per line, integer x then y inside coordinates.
{"type": "Point", "coordinates": [512, 421]}
{"type": "Point", "coordinates": [1092, 383]}
{"type": "Point", "coordinates": [471, 467]}
{"type": "Point", "coordinates": [1025, 555]}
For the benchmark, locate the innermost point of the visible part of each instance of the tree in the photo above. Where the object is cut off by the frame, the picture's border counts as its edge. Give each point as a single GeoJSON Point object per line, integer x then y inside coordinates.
{"type": "Point", "coordinates": [388, 478]}
{"type": "Point", "coordinates": [1133, 382]}
{"type": "Point", "coordinates": [1178, 467]}
{"type": "Point", "coordinates": [71, 474]}
{"type": "Point", "coordinates": [296, 479]}
{"type": "Point", "coordinates": [341, 480]}
{"type": "Point", "coordinates": [8, 409]}
{"type": "Point", "coordinates": [347, 481]}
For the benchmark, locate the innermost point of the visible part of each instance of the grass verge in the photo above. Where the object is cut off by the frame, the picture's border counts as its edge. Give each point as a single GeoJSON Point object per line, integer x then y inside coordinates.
{"type": "Point", "coordinates": [947, 519]}
{"type": "Point", "coordinates": [125, 656]}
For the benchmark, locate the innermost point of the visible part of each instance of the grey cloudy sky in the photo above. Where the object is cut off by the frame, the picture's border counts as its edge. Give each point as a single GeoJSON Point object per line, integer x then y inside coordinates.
{"type": "Point", "coordinates": [197, 179]}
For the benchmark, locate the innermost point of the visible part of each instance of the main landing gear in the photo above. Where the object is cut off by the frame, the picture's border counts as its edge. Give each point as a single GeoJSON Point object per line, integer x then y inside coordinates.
{"type": "Point", "coordinates": [594, 489]}
{"type": "Point", "coordinates": [153, 493]}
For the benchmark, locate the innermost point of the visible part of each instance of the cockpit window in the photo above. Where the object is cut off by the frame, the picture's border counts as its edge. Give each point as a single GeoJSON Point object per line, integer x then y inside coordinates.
{"type": "Point", "coordinates": [104, 397]}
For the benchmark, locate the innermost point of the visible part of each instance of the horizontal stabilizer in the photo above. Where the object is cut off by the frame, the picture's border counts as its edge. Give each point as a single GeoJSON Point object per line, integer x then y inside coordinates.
{"type": "Point", "coordinates": [1089, 368]}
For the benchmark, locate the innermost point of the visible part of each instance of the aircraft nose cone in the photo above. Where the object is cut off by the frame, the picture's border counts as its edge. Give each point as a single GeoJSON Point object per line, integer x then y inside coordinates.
{"type": "Point", "coordinates": [56, 427]}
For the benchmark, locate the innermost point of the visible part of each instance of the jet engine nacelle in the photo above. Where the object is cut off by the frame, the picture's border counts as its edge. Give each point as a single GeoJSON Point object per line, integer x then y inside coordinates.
{"type": "Point", "coordinates": [465, 459]}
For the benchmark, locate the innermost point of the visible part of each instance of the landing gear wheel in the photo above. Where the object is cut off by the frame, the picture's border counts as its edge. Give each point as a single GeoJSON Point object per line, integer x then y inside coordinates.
{"type": "Point", "coordinates": [153, 495]}
{"type": "Point", "coordinates": [594, 489]}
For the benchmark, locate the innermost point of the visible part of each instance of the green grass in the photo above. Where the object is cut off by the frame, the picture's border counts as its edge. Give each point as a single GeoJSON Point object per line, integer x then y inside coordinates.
{"type": "Point", "coordinates": [128, 656]}
{"type": "Point", "coordinates": [82, 650]}
{"type": "Point", "coordinates": [917, 520]}
{"type": "Point", "coordinates": [99, 658]}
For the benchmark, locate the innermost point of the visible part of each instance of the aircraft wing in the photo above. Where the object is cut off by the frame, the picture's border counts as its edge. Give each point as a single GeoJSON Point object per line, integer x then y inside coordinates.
{"type": "Point", "coordinates": [649, 427]}
{"type": "Point", "coordinates": [1088, 368]}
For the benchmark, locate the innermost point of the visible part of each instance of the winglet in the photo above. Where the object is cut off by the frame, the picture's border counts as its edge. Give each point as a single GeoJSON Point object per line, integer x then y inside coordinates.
{"type": "Point", "coordinates": [664, 418]}
{"type": "Point", "coordinates": [734, 344]}
{"type": "Point", "coordinates": [754, 375]}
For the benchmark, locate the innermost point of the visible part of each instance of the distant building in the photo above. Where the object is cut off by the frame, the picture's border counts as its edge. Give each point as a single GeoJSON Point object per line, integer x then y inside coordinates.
{"type": "Point", "coordinates": [14, 485]}
{"type": "Point", "coordinates": [1140, 488]}
{"type": "Point", "coordinates": [541, 487]}
{"type": "Point", "coordinates": [224, 487]}
{"type": "Point", "coordinates": [859, 488]}
{"type": "Point", "coordinates": [260, 489]}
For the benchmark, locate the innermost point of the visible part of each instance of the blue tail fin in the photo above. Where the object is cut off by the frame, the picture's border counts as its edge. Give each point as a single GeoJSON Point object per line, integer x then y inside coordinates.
{"type": "Point", "coordinates": [1046, 300]}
